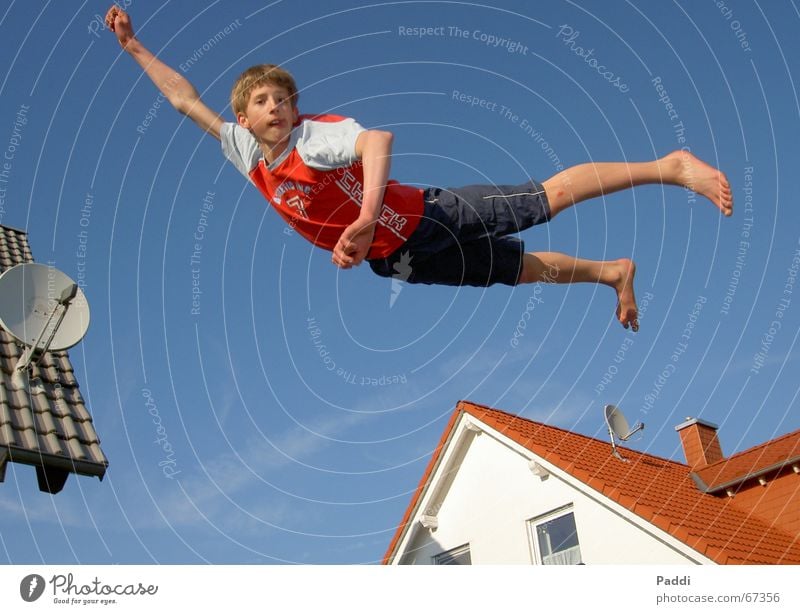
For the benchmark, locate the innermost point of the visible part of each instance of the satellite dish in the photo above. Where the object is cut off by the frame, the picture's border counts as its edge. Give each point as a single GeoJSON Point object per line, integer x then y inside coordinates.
{"type": "Point", "coordinates": [42, 308]}
{"type": "Point", "coordinates": [618, 426]}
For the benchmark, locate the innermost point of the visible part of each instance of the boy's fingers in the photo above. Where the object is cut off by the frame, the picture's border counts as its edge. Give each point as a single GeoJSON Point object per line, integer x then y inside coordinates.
{"type": "Point", "coordinates": [341, 260]}
{"type": "Point", "coordinates": [111, 17]}
{"type": "Point", "coordinates": [346, 254]}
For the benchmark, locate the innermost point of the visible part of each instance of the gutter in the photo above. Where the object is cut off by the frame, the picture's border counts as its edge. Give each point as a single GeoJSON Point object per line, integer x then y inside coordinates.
{"type": "Point", "coordinates": [39, 459]}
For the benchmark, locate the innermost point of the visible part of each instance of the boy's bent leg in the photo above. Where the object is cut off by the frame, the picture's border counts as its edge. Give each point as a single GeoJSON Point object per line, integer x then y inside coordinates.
{"type": "Point", "coordinates": [553, 267]}
{"type": "Point", "coordinates": [680, 168]}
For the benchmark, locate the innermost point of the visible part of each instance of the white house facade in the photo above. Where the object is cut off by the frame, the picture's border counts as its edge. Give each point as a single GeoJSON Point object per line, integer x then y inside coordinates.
{"type": "Point", "coordinates": [492, 501]}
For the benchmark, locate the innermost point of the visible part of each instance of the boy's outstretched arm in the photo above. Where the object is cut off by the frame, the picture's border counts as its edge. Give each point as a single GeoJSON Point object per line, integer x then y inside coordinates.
{"type": "Point", "coordinates": [374, 148]}
{"type": "Point", "coordinates": [180, 93]}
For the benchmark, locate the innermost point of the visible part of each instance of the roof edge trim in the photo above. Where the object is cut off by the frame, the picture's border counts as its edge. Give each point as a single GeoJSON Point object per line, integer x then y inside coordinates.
{"type": "Point", "coordinates": [39, 459]}
{"type": "Point", "coordinates": [748, 476]}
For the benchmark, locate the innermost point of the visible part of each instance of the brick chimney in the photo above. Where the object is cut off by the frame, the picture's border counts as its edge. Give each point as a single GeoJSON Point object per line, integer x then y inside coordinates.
{"type": "Point", "coordinates": [700, 444]}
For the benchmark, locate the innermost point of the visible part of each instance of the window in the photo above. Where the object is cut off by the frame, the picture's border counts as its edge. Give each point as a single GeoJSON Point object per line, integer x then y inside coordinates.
{"type": "Point", "coordinates": [557, 540]}
{"type": "Point", "coordinates": [456, 556]}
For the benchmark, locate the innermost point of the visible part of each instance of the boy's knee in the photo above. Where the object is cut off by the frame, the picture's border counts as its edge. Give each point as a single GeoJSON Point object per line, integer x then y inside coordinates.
{"type": "Point", "coordinates": [530, 269]}
{"type": "Point", "coordinates": [558, 197]}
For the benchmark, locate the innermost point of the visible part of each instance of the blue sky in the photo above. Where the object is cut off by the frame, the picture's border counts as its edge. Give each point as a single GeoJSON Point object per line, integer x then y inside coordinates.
{"type": "Point", "coordinates": [275, 449]}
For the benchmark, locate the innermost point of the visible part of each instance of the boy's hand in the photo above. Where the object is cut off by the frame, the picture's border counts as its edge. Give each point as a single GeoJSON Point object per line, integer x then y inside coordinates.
{"type": "Point", "coordinates": [120, 24]}
{"type": "Point", "coordinates": [354, 244]}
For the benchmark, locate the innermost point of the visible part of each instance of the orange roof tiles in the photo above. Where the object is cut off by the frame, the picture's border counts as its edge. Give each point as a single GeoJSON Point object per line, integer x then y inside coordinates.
{"type": "Point", "coordinates": [659, 490]}
{"type": "Point", "coordinates": [770, 455]}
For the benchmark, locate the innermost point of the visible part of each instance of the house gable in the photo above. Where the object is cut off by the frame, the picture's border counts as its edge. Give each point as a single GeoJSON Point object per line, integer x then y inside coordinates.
{"type": "Point", "coordinates": [487, 491]}
{"type": "Point", "coordinates": [657, 495]}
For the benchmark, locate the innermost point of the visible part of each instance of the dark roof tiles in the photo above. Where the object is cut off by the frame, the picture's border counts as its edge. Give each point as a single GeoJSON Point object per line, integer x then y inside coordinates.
{"type": "Point", "coordinates": [43, 417]}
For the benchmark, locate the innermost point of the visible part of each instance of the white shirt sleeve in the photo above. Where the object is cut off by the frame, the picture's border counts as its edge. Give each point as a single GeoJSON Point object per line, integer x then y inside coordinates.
{"type": "Point", "coordinates": [328, 145]}
{"type": "Point", "coordinates": [240, 147]}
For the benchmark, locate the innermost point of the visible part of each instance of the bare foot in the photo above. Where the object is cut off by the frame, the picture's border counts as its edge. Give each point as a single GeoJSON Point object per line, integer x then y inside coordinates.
{"type": "Point", "coordinates": [627, 312]}
{"type": "Point", "coordinates": [699, 177]}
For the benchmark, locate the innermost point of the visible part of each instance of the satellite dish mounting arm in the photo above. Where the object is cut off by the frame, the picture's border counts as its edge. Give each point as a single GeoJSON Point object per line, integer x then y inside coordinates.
{"type": "Point", "coordinates": [618, 428]}
{"type": "Point", "coordinates": [37, 351]}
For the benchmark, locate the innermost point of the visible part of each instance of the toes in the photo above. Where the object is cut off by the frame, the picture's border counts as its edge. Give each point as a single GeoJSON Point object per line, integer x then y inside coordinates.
{"type": "Point", "coordinates": [630, 319]}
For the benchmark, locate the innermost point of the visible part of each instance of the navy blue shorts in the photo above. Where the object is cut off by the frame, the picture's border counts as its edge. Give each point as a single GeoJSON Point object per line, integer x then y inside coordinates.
{"type": "Point", "coordinates": [462, 239]}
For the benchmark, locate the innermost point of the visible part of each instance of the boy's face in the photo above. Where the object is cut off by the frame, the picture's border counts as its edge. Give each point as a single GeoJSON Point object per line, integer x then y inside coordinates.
{"type": "Point", "coordinates": [269, 114]}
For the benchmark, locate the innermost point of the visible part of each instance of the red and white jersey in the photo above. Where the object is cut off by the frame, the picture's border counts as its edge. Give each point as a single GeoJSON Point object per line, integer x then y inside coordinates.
{"type": "Point", "coordinates": [317, 184]}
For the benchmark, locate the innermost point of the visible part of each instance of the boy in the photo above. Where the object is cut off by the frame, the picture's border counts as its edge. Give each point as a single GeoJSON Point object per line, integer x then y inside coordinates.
{"type": "Point", "coordinates": [329, 179]}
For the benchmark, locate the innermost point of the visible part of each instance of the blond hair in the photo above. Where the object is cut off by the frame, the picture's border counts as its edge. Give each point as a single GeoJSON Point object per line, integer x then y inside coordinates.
{"type": "Point", "coordinates": [256, 76]}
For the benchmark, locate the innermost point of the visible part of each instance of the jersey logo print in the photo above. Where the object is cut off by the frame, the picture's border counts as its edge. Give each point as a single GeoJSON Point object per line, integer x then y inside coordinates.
{"type": "Point", "coordinates": [350, 185]}
{"type": "Point", "coordinates": [294, 195]}
{"type": "Point", "coordinates": [295, 201]}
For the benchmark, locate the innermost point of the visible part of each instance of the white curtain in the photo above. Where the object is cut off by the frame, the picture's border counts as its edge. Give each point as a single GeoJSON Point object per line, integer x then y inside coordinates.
{"type": "Point", "coordinates": [570, 556]}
